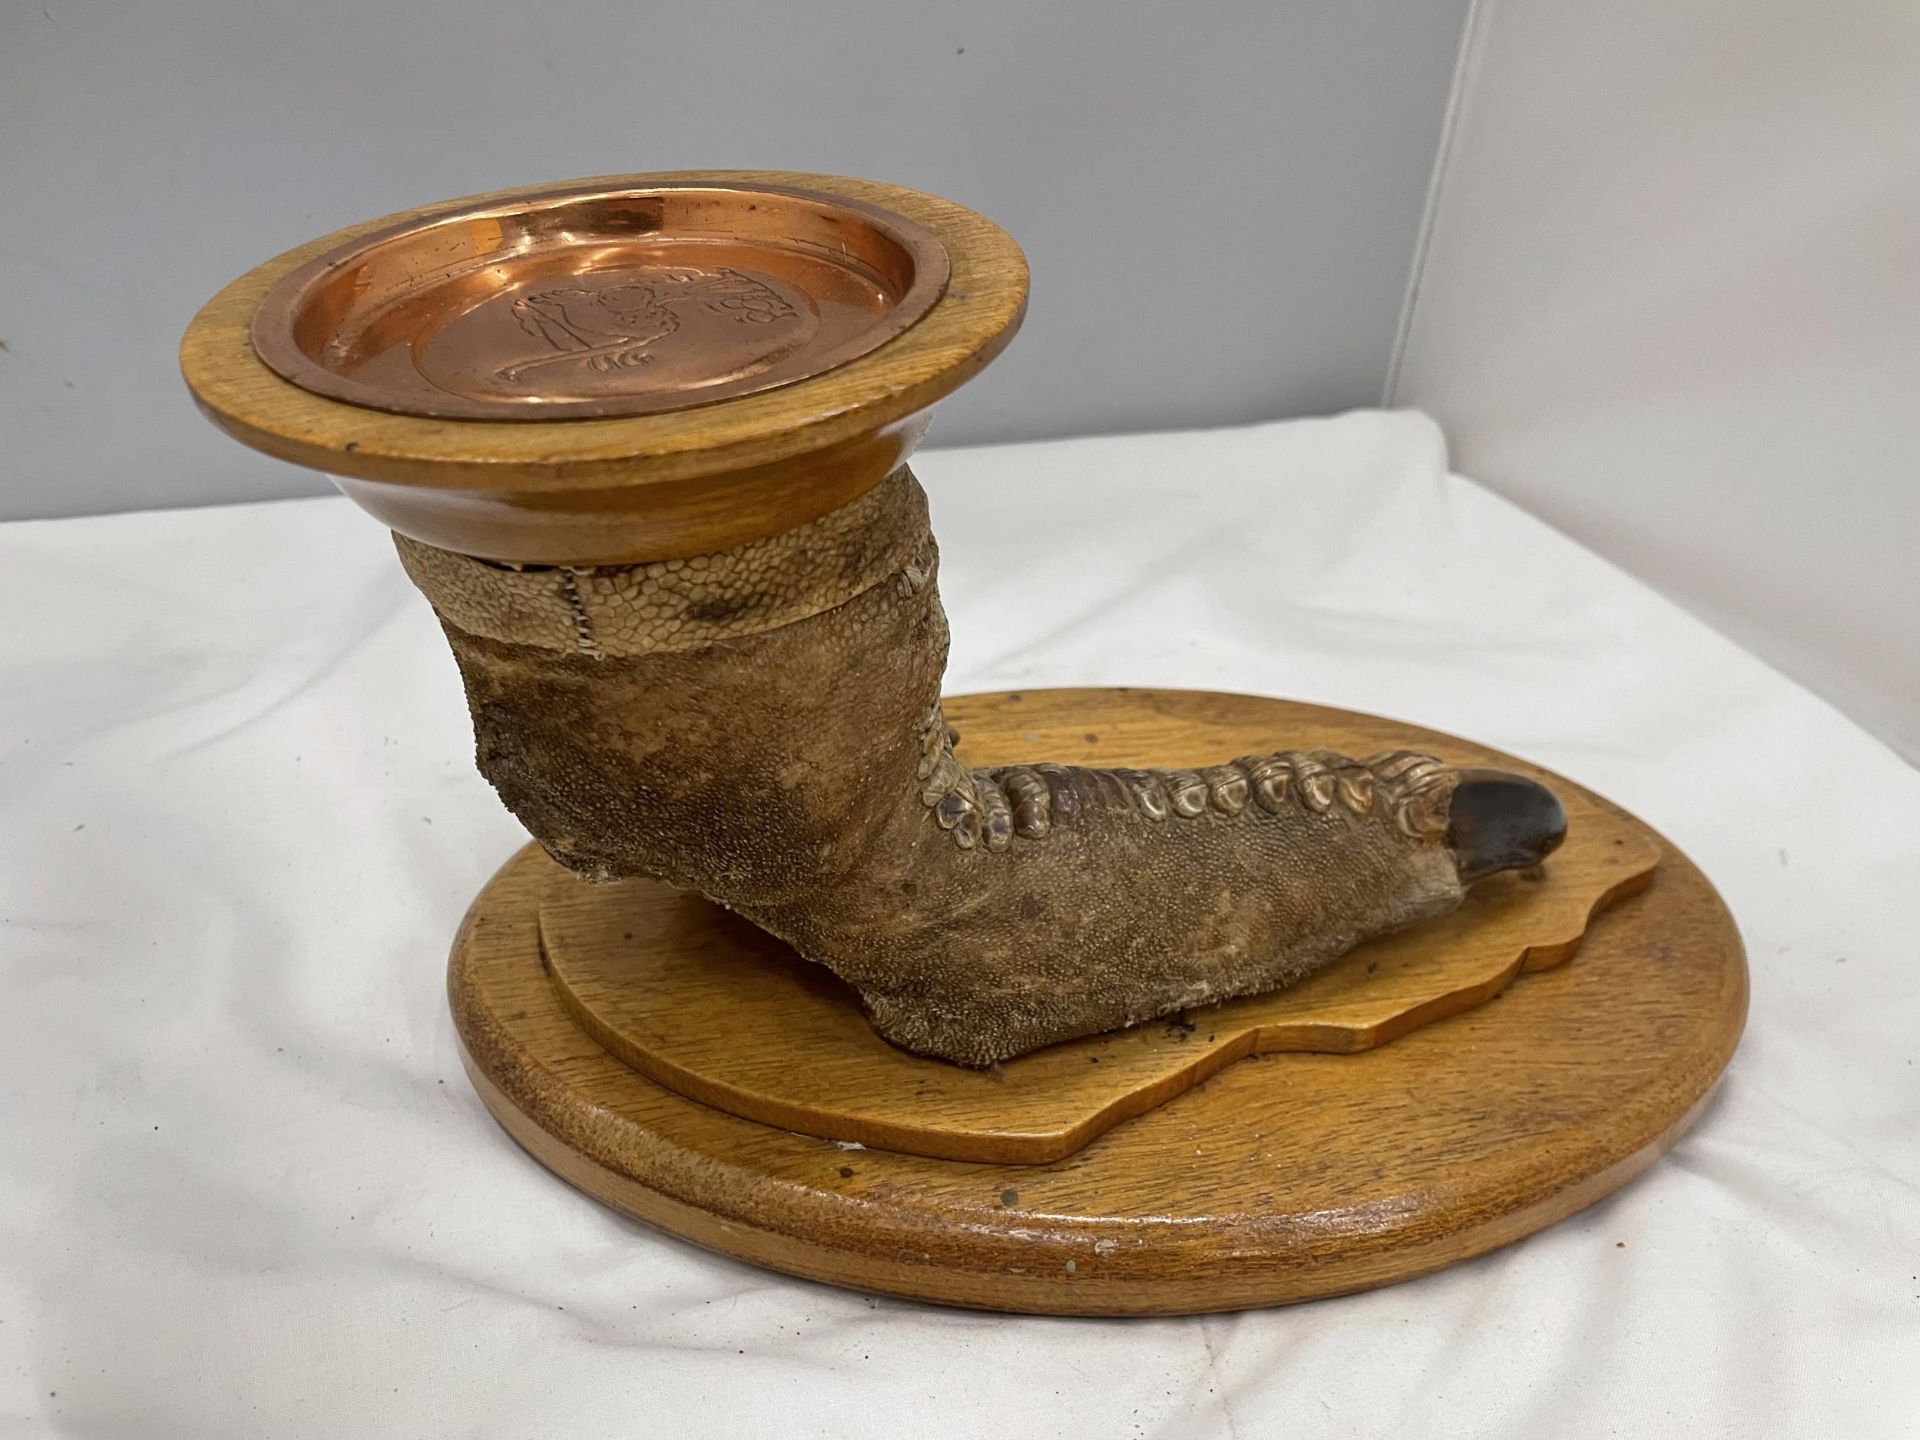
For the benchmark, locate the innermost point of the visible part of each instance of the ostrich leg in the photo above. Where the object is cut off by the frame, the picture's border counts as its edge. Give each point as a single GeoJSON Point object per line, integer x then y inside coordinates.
{"type": "Point", "coordinates": [763, 725]}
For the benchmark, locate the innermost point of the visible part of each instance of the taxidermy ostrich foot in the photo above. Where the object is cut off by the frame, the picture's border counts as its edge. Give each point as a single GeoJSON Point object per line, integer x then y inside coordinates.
{"type": "Point", "coordinates": [763, 725]}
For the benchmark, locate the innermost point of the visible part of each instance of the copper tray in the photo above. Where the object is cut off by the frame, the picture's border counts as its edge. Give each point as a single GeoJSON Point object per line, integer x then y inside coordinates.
{"type": "Point", "coordinates": [587, 301]}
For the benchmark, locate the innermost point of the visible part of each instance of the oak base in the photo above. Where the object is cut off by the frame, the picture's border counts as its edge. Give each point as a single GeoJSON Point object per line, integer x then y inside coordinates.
{"type": "Point", "coordinates": [1283, 1177]}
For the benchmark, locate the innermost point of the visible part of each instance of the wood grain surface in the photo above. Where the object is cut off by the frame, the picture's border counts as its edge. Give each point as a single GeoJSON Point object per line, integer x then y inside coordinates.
{"type": "Point", "coordinates": [669, 982]}
{"type": "Point", "coordinates": [1281, 1178]}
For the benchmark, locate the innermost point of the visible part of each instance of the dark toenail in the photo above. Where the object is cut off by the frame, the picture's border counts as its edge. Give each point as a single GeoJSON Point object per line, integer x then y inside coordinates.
{"type": "Point", "coordinates": [1501, 821]}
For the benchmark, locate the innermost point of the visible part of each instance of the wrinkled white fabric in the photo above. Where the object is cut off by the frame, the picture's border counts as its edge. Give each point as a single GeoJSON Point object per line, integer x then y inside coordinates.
{"type": "Point", "coordinates": [246, 1190]}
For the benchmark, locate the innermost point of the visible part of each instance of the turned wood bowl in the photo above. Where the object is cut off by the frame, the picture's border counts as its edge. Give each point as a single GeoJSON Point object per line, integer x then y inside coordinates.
{"type": "Point", "coordinates": [617, 370]}
{"type": "Point", "coordinates": [600, 300]}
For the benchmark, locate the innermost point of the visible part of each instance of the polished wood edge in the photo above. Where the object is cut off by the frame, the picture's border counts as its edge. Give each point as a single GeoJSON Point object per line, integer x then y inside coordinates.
{"type": "Point", "coordinates": [674, 521]}
{"type": "Point", "coordinates": [536, 1124]}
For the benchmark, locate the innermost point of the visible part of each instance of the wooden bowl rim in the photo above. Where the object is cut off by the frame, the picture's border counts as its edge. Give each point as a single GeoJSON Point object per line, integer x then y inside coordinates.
{"type": "Point", "coordinates": [968, 326]}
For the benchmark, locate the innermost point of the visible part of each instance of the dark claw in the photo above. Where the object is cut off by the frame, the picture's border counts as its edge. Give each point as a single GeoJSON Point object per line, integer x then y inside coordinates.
{"type": "Point", "coordinates": [1499, 821]}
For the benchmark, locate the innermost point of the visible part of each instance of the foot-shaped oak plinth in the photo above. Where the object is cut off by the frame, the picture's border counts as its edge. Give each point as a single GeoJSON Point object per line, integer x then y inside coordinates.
{"type": "Point", "coordinates": [721, 1012]}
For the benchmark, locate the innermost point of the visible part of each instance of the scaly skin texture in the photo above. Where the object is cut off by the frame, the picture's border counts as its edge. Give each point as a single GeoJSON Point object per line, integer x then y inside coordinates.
{"type": "Point", "coordinates": [763, 726]}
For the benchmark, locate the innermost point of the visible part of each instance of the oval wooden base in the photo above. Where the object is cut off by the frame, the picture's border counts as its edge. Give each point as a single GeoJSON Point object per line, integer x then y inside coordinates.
{"type": "Point", "coordinates": [1284, 1177]}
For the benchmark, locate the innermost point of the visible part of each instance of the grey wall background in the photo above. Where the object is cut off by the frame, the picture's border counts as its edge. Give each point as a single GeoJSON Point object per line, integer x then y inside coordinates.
{"type": "Point", "coordinates": [1671, 302]}
{"type": "Point", "coordinates": [1667, 296]}
{"type": "Point", "coordinates": [1220, 201]}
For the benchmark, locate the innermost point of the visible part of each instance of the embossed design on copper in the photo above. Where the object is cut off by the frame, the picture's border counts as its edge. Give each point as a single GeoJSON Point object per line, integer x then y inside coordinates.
{"type": "Point", "coordinates": [608, 325]}
{"type": "Point", "coordinates": [589, 302]}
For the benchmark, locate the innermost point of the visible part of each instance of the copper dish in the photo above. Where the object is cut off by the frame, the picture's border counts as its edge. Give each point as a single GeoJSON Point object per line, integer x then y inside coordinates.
{"type": "Point", "coordinates": [588, 301]}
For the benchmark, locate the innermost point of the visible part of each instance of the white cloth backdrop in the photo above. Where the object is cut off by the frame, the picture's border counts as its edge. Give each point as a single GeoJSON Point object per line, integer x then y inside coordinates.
{"type": "Point", "coordinates": [245, 1190]}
